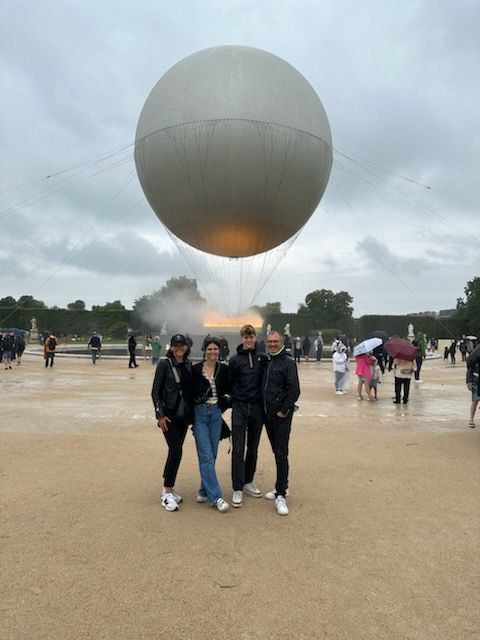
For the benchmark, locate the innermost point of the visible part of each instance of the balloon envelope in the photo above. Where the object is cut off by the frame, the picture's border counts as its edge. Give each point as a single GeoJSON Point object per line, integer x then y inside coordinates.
{"type": "Point", "coordinates": [233, 150]}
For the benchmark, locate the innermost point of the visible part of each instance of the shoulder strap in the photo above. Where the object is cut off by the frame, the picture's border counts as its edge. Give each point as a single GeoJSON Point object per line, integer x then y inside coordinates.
{"type": "Point", "coordinates": [174, 371]}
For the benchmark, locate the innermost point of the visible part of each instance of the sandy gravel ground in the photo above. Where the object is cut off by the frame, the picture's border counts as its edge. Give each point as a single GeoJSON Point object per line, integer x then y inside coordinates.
{"type": "Point", "coordinates": [382, 540]}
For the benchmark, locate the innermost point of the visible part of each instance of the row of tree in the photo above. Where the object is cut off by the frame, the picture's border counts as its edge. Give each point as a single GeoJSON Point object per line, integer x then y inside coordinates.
{"type": "Point", "coordinates": [322, 310]}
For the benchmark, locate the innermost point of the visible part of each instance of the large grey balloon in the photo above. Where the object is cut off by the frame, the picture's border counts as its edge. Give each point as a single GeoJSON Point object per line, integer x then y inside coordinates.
{"type": "Point", "coordinates": [233, 150]}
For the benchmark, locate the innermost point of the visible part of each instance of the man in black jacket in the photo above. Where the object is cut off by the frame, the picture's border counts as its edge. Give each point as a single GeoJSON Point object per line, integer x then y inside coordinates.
{"type": "Point", "coordinates": [246, 370]}
{"type": "Point", "coordinates": [280, 390]}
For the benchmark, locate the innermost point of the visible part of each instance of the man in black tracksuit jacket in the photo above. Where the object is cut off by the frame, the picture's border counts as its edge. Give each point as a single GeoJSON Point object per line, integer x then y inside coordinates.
{"type": "Point", "coordinates": [280, 390]}
{"type": "Point", "coordinates": [246, 370]}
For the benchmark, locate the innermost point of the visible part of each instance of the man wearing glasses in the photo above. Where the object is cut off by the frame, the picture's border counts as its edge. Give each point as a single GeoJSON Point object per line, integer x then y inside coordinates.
{"type": "Point", "coordinates": [246, 370]}
{"type": "Point", "coordinates": [280, 390]}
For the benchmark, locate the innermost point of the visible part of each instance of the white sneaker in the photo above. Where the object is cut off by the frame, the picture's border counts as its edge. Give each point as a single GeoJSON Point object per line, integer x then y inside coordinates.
{"type": "Point", "coordinates": [202, 498]}
{"type": "Point", "coordinates": [270, 495]}
{"type": "Point", "coordinates": [177, 496]}
{"type": "Point", "coordinates": [339, 393]}
{"type": "Point", "coordinates": [252, 490]}
{"type": "Point", "coordinates": [168, 502]}
{"type": "Point", "coordinates": [281, 506]}
{"type": "Point", "coordinates": [222, 505]}
{"type": "Point", "coordinates": [237, 499]}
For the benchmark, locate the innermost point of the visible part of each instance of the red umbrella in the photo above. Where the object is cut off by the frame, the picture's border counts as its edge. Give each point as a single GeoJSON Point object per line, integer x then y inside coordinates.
{"type": "Point", "coordinates": [401, 349]}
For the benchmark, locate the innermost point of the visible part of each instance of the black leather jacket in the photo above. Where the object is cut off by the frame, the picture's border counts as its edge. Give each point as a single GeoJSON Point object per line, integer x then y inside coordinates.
{"type": "Point", "coordinates": [165, 390]}
{"type": "Point", "coordinates": [280, 385]}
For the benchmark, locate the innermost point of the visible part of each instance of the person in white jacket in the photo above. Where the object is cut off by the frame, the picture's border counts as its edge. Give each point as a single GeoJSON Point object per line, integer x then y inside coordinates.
{"type": "Point", "coordinates": [340, 368]}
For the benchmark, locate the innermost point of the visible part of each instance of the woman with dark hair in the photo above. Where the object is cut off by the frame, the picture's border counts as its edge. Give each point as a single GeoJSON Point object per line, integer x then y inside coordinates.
{"type": "Point", "coordinates": [210, 388]}
{"type": "Point", "coordinates": [172, 399]}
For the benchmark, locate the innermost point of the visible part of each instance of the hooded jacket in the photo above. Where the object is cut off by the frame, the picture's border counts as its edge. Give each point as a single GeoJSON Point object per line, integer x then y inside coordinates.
{"type": "Point", "coordinates": [280, 385]}
{"type": "Point", "coordinates": [246, 370]}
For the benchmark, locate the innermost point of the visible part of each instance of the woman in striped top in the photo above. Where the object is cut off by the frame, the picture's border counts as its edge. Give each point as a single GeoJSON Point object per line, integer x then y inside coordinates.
{"type": "Point", "coordinates": [210, 386]}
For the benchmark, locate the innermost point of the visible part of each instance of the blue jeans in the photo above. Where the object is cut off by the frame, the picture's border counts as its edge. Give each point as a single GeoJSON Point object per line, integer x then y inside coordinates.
{"type": "Point", "coordinates": [207, 427]}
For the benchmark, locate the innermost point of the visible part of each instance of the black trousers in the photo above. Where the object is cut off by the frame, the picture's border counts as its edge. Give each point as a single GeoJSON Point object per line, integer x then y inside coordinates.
{"type": "Point", "coordinates": [278, 431]}
{"type": "Point", "coordinates": [247, 423]}
{"type": "Point", "coordinates": [399, 383]}
{"type": "Point", "coordinates": [132, 362]}
{"type": "Point", "coordinates": [175, 436]}
{"type": "Point", "coordinates": [419, 361]}
{"type": "Point", "coordinates": [49, 357]}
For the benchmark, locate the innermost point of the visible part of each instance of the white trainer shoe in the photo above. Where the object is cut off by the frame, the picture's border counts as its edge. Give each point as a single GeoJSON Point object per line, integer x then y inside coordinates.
{"type": "Point", "coordinates": [168, 502]}
{"type": "Point", "coordinates": [202, 498]}
{"type": "Point", "coordinates": [222, 505]}
{"type": "Point", "coordinates": [281, 506]}
{"type": "Point", "coordinates": [237, 499]}
{"type": "Point", "coordinates": [270, 495]}
{"type": "Point", "coordinates": [177, 496]}
{"type": "Point", "coordinates": [252, 490]}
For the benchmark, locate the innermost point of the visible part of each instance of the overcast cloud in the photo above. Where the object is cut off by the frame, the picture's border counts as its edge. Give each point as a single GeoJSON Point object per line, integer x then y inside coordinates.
{"type": "Point", "coordinates": [400, 87]}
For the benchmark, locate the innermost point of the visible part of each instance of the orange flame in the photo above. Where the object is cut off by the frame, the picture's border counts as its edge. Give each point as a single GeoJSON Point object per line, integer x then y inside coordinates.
{"type": "Point", "coordinates": [219, 321]}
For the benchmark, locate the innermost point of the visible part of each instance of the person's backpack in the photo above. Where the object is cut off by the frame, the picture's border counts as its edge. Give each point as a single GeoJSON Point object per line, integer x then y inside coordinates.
{"type": "Point", "coordinates": [52, 343]}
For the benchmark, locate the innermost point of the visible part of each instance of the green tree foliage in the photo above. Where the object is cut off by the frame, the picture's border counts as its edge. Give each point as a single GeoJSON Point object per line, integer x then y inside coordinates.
{"type": "Point", "coordinates": [328, 309]}
{"type": "Point", "coordinates": [29, 302]}
{"type": "Point", "coordinates": [78, 305]}
{"type": "Point", "coordinates": [8, 302]}
{"type": "Point", "coordinates": [116, 305]}
{"type": "Point", "coordinates": [271, 307]}
{"type": "Point", "coordinates": [468, 309]}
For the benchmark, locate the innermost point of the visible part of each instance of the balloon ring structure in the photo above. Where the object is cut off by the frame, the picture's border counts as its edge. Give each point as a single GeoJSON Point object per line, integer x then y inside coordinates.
{"type": "Point", "coordinates": [233, 150]}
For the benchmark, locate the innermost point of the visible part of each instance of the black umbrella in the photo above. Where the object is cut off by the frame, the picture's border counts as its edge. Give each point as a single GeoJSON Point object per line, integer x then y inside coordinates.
{"type": "Point", "coordinates": [383, 335]}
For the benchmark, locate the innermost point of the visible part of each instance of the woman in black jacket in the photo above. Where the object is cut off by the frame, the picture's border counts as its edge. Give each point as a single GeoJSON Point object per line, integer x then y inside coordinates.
{"type": "Point", "coordinates": [210, 386]}
{"type": "Point", "coordinates": [172, 399]}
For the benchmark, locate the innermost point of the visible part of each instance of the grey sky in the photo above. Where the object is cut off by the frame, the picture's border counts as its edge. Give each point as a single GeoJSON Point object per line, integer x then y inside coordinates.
{"type": "Point", "coordinates": [400, 87]}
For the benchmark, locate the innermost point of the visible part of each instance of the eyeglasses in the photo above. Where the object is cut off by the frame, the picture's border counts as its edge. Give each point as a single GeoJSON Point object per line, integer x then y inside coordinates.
{"type": "Point", "coordinates": [273, 341]}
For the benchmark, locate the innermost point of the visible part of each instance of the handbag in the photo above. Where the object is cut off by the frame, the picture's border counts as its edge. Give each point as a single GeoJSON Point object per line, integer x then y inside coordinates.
{"type": "Point", "coordinates": [226, 432]}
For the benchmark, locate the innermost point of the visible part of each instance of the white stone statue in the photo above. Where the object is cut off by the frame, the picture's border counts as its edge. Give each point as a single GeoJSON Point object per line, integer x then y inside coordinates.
{"type": "Point", "coordinates": [269, 328]}
{"type": "Point", "coordinates": [163, 330]}
{"type": "Point", "coordinates": [33, 324]}
{"type": "Point", "coordinates": [411, 335]}
{"type": "Point", "coordinates": [286, 329]}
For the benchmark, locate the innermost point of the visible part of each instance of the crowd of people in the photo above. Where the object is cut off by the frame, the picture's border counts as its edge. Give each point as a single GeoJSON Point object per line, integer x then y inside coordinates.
{"type": "Point", "coordinates": [260, 384]}
{"type": "Point", "coordinates": [12, 346]}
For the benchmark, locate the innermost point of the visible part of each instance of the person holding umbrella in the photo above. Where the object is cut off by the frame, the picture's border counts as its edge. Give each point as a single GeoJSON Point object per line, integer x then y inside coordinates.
{"type": "Point", "coordinates": [364, 364]}
{"type": "Point", "coordinates": [363, 370]}
{"type": "Point", "coordinates": [403, 353]}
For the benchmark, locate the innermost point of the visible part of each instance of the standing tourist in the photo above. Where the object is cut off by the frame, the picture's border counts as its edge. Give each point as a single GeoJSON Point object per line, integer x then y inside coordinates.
{"type": "Point", "coordinates": [403, 370]}
{"type": "Point", "coordinates": [318, 346]}
{"type": "Point", "coordinates": [7, 348]}
{"type": "Point", "coordinates": [172, 394]}
{"type": "Point", "coordinates": [280, 390]}
{"type": "Point", "coordinates": [132, 346]}
{"type": "Point", "coordinates": [422, 353]}
{"type": "Point", "coordinates": [210, 386]}
{"type": "Point", "coordinates": [19, 347]}
{"type": "Point", "coordinates": [246, 370]}
{"type": "Point", "coordinates": [147, 347]}
{"type": "Point", "coordinates": [95, 345]}
{"type": "Point", "coordinates": [473, 385]}
{"type": "Point", "coordinates": [340, 368]}
{"type": "Point", "coordinates": [49, 347]}
{"type": "Point", "coordinates": [306, 346]}
{"type": "Point", "coordinates": [363, 370]}
{"type": "Point", "coordinates": [156, 350]}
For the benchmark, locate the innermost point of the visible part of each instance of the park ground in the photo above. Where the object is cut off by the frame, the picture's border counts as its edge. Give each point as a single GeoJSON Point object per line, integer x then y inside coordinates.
{"type": "Point", "coordinates": [381, 542]}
